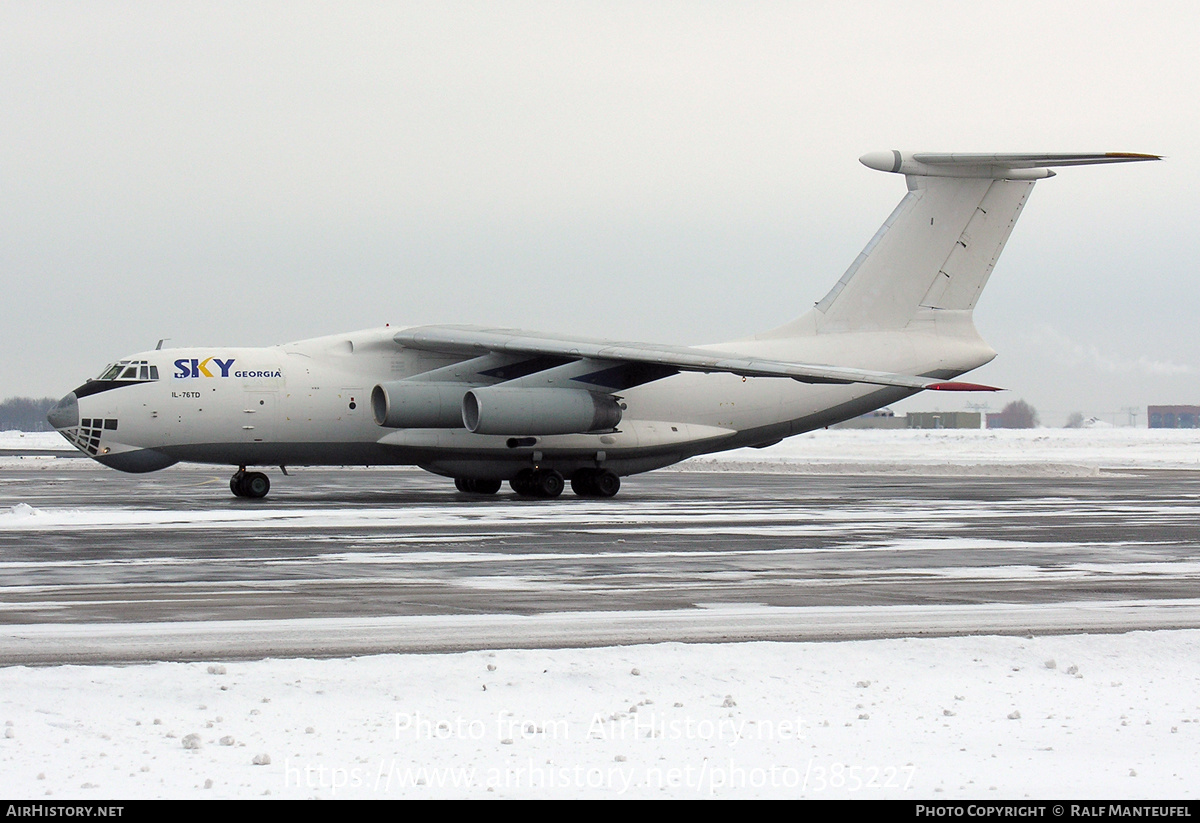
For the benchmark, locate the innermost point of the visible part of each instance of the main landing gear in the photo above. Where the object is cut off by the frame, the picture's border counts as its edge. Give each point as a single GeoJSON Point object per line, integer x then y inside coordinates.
{"type": "Point", "coordinates": [595, 483]}
{"type": "Point", "coordinates": [249, 484]}
{"type": "Point", "coordinates": [538, 483]}
{"type": "Point", "coordinates": [472, 486]}
{"type": "Point", "coordinates": [548, 483]}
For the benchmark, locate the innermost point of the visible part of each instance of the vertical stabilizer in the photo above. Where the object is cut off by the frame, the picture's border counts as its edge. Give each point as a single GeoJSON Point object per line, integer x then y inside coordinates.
{"type": "Point", "coordinates": [939, 246]}
{"type": "Point", "coordinates": [936, 250]}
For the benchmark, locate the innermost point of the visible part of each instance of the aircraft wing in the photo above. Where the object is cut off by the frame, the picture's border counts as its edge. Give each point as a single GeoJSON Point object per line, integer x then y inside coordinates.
{"type": "Point", "coordinates": [477, 341]}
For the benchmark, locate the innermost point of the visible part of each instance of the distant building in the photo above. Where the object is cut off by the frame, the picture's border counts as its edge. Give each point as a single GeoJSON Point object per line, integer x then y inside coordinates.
{"type": "Point", "coordinates": [944, 420]}
{"type": "Point", "coordinates": [1173, 417]}
{"type": "Point", "coordinates": [878, 419]}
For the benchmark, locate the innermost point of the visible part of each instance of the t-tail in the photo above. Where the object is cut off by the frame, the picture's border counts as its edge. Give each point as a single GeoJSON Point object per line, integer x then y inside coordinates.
{"type": "Point", "coordinates": [935, 252]}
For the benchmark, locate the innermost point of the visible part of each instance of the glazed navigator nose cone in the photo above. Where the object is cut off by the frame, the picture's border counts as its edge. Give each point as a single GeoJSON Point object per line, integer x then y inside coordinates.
{"type": "Point", "coordinates": [65, 413]}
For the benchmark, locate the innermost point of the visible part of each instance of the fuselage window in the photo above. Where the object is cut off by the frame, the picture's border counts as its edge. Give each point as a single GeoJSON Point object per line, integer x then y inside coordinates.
{"type": "Point", "coordinates": [144, 373]}
{"type": "Point", "coordinates": [154, 372]}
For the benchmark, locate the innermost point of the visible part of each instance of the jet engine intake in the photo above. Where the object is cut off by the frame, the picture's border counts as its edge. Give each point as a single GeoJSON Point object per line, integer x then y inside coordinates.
{"type": "Point", "coordinates": [403, 404]}
{"type": "Point", "coordinates": [500, 410]}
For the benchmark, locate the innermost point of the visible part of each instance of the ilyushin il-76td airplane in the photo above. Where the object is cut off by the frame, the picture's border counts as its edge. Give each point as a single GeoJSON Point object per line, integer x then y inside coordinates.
{"type": "Point", "coordinates": [486, 405]}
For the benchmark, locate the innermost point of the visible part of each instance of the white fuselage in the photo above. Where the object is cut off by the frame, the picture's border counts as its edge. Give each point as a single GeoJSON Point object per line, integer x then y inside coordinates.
{"type": "Point", "coordinates": [308, 403]}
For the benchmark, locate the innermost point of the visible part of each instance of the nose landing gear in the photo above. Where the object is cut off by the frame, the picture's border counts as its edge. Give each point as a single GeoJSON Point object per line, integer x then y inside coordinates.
{"type": "Point", "coordinates": [249, 484]}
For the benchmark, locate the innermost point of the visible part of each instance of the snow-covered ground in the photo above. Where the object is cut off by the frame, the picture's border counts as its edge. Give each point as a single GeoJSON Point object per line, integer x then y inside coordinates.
{"type": "Point", "coordinates": [1103, 716]}
{"type": "Point", "coordinates": [1100, 716]}
{"type": "Point", "coordinates": [969, 451]}
{"type": "Point", "coordinates": [33, 440]}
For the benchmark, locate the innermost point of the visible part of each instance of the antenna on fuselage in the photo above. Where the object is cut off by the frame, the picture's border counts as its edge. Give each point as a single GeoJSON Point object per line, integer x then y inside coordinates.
{"type": "Point", "coordinates": [160, 342]}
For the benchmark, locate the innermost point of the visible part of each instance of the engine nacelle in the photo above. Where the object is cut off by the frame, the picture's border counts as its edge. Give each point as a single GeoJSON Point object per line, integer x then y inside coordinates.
{"type": "Point", "coordinates": [403, 404]}
{"type": "Point", "coordinates": [500, 410]}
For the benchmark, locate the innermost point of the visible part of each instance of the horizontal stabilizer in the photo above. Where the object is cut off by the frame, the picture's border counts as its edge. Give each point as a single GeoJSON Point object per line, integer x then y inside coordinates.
{"type": "Point", "coordinates": [994, 166]}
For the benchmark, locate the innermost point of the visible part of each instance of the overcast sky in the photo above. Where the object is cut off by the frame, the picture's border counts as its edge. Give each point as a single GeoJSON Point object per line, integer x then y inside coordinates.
{"type": "Point", "coordinates": [254, 173]}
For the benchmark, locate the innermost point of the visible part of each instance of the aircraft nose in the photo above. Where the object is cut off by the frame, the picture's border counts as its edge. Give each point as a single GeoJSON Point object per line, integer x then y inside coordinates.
{"type": "Point", "coordinates": [65, 413]}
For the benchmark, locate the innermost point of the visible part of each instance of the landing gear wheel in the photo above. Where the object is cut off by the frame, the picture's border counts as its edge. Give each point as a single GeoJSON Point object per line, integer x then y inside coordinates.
{"type": "Point", "coordinates": [548, 483]}
{"type": "Point", "coordinates": [595, 483]}
{"type": "Point", "coordinates": [541, 483]}
{"type": "Point", "coordinates": [255, 485]}
{"type": "Point", "coordinates": [522, 484]}
{"type": "Point", "coordinates": [606, 483]}
{"type": "Point", "coordinates": [249, 484]}
{"type": "Point", "coordinates": [581, 483]}
{"type": "Point", "coordinates": [472, 485]}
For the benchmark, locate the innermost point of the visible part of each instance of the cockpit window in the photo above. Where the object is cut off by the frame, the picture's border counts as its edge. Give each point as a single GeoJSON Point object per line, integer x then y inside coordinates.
{"type": "Point", "coordinates": [130, 370]}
